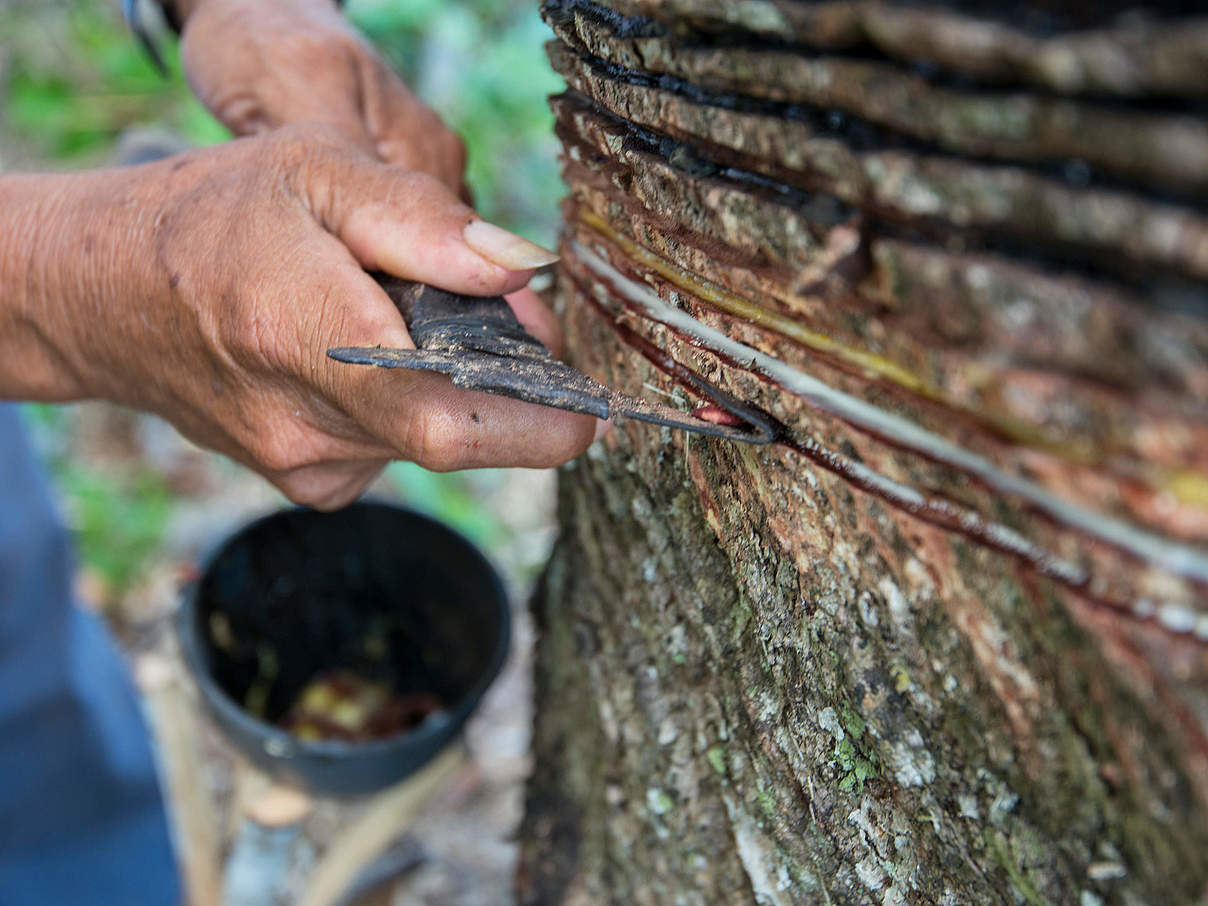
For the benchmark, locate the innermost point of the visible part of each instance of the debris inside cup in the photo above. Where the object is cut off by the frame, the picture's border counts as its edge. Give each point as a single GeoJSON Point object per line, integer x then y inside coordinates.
{"type": "Point", "coordinates": [341, 705]}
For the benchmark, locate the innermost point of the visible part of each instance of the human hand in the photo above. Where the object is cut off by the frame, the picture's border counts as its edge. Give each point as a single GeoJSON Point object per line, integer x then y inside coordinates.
{"type": "Point", "coordinates": [259, 65]}
{"type": "Point", "coordinates": [207, 287]}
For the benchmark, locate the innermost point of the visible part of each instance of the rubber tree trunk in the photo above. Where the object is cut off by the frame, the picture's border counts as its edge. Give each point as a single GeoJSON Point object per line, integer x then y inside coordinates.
{"type": "Point", "coordinates": [945, 641]}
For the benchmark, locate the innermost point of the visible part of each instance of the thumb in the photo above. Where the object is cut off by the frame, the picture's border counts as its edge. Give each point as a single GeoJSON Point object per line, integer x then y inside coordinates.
{"type": "Point", "coordinates": [411, 225]}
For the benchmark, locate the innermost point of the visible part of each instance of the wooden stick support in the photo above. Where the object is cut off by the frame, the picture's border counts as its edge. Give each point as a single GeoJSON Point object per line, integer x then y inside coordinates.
{"type": "Point", "coordinates": [194, 824]}
{"type": "Point", "coordinates": [260, 860]}
{"type": "Point", "coordinates": [387, 816]}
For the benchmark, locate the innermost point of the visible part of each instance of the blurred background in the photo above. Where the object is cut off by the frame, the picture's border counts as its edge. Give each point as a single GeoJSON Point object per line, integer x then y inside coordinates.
{"type": "Point", "coordinates": [77, 91]}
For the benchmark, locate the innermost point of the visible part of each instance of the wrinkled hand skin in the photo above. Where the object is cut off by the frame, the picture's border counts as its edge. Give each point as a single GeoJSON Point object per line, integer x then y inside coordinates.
{"type": "Point", "coordinates": [207, 287]}
{"type": "Point", "coordinates": [261, 64]}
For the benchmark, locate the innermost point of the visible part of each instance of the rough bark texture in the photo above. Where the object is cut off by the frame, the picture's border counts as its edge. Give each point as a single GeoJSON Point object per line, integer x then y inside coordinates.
{"type": "Point", "coordinates": [946, 642]}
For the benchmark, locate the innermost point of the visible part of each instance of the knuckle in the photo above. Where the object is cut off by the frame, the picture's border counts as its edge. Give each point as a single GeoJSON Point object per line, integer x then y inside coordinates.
{"type": "Point", "coordinates": [310, 150]}
{"type": "Point", "coordinates": [310, 493]}
{"type": "Point", "coordinates": [302, 143]}
{"type": "Point", "coordinates": [251, 341]}
{"type": "Point", "coordinates": [321, 489]}
{"type": "Point", "coordinates": [252, 335]}
{"type": "Point", "coordinates": [437, 443]}
{"type": "Point", "coordinates": [291, 138]}
{"type": "Point", "coordinates": [272, 458]}
{"type": "Point", "coordinates": [280, 450]}
{"type": "Point", "coordinates": [318, 164]}
{"type": "Point", "coordinates": [242, 113]}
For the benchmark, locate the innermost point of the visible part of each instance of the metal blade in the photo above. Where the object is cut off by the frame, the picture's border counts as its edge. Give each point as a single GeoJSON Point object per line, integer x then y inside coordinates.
{"type": "Point", "coordinates": [480, 345]}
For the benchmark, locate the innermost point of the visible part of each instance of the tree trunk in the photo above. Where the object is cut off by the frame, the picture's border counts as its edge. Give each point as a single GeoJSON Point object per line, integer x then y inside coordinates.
{"type": "Point", "coordinates": [946, 640]}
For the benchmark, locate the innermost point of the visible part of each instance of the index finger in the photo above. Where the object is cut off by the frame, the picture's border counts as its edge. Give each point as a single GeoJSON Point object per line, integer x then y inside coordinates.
{"type": "Point", "coordinates": [443, 428]}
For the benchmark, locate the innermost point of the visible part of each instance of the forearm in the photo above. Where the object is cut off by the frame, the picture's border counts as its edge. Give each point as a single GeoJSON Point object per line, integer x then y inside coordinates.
{"type": "Point", "coordinates": [62, 272]}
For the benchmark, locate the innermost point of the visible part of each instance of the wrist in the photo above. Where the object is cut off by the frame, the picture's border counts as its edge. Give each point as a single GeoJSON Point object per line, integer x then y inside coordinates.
{"type": "Point", "coordinates": [64, 262]}
{"type": "Point", "coordinates": [31, 219]}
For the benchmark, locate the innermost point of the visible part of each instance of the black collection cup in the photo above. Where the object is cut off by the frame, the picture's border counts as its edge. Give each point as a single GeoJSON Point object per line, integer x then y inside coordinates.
{"type": "Point", "coordinates": [374, 589]}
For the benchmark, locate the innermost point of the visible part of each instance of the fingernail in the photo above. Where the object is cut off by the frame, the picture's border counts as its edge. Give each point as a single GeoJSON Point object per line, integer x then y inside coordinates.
{"type": "Point", "coordinates": [603, 426]}
{"type": "Point", "coordinates": [506, 249]}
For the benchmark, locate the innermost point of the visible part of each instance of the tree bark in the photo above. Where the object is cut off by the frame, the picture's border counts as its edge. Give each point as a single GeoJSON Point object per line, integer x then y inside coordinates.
{"type": "Point", "coordinates": [946, 641]}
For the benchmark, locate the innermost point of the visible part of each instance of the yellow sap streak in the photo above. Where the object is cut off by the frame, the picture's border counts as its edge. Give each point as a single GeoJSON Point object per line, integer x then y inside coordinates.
{"type": "Point", "coordinates": [871, 364]}
{"type": "Point", "coordinates": [1190, 488]}
{"type": "Point", "coordinates": [744, 308]}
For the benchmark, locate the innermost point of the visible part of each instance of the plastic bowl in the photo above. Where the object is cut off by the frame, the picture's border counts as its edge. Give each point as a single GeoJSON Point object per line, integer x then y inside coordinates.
{"type": "Point", "coordinates": [375, 589]}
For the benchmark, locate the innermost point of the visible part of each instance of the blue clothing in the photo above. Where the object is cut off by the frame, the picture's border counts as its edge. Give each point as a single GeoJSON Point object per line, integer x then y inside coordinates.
{"type": "Point", "coordinates": [81, 817]}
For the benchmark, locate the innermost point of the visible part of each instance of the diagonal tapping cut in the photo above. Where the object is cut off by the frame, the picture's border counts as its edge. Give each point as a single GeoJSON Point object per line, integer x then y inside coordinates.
{"type": "Point", "coordinates": [1181, 560]}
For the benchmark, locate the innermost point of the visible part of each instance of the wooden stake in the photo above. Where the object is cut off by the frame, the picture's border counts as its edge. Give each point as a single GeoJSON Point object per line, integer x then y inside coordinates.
{"type": "Point", "coordinates": [388, 815]}
{"type": "Point", "coordinates": [174, 725]}
{"type": "Point", "coordinates": [260, 860]}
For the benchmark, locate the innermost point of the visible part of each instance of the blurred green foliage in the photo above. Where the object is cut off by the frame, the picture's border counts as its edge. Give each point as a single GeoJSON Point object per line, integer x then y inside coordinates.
{"type": "Point", "coordinates": [481, 65]}
{"type": "Point", "coordinates": [118, 520]}
{"type": "Point", "coordinates": [76, 80]}
{"type": "Point", "coordinates": [73, 80]}
{"type": "Point", "coordinates": [118, 515]}
{"type": "Point", "coordinates": [454, 498]}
